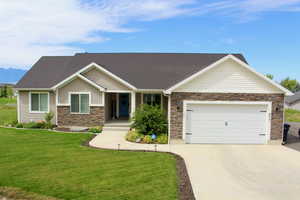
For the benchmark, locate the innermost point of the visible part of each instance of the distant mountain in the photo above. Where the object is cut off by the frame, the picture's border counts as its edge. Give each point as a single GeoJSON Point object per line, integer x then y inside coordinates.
{"type": "Point", "coordinates": [11, 75]}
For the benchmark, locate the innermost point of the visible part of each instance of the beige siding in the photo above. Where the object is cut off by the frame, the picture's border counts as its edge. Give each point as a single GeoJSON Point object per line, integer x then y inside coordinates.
{"type": "Point", "coordinates": [104, 80]}
{"type": "Point", "coordinates": [78, 85]}
{"type": "Point", "coordinates": [228, 77]}
{"type": "Point", "coordinates": [26, 116]}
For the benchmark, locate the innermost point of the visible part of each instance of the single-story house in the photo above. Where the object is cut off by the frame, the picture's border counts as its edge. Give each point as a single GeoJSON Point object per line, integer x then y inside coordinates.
{"type": "Point", "coordinates": [208, 98]}
{"type": "Point", "coordinates": [293, 101]}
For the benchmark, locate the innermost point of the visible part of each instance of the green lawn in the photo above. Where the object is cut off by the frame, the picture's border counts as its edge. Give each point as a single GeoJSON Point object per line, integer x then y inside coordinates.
{"type": "Point", "coordinates": [292, 115]}
{"type": "Point", "coordinates": [8, 110]}
{"type": "Point", "coordinates": [57, 165]}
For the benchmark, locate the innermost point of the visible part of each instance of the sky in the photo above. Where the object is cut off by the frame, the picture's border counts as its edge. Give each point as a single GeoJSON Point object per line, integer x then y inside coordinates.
{"type": "Point", "coordinates": [266, 32]}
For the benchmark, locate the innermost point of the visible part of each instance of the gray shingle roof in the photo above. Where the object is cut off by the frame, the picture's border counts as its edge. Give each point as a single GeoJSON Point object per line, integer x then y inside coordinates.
{"type": "Point", "coordinates": [142, 70]}
{"type": "Point", "coordinates": [294, 98]}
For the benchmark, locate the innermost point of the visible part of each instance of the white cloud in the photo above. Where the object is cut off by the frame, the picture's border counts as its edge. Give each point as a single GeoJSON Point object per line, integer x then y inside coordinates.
{"type": "Point", "coordinates": [33, 28]}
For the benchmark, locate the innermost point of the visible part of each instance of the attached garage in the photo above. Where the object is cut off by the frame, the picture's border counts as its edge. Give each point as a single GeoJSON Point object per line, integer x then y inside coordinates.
{"type": "Point", "coordinates": [226, 122]}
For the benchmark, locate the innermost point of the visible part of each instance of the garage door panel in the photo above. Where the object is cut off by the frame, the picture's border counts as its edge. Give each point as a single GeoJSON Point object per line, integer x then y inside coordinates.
{"type": "Point", "coordinates": [242, 124]}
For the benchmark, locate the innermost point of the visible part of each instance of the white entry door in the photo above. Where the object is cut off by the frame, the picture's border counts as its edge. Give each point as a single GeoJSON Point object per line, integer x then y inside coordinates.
{"type": "Point", "coordinates": [226, 123]}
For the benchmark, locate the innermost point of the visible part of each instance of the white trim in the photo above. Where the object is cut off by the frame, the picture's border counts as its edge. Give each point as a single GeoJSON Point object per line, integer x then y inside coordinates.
{"type": "Point", "coordinates": [117, 107]}
{"type": "Point", "coordinates": [91, 82]}
{"type": "Point", "coordinates": [169, 119]}
{"type": "Point", "coordinates": [18, 106]}
{"type": "Point", "coordinates": [39, 112]}
{"type": "Point", "coordinates": [97, 105]}
{"type": "Point", "coordinates": [118, 91]}
{"type": "Point", "coordinates": [90, 101]}
{"type": "Point", "coordinates": [150, 90]}
{"type": "Point", "coordinates": [132, 103]}
{"type": "Point", "coordinates": [169, 91]}
{"type": "Point", "coordinates": [91, 65]}
{"type": "Point", "coordinates": [268, 113]}
{"type": "Point", "coordinates": [37, 89]}
{"type": "Point", "coordinates": [56, 103]}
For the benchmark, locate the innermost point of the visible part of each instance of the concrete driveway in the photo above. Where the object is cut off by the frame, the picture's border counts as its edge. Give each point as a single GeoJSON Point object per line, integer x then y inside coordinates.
{"type": "Point", "coordinates": [229, 172]}
{"type": "Point", "coordinates": [243, 172]}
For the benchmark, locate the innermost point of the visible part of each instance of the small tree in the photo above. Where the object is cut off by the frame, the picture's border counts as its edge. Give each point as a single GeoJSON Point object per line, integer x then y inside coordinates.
{"type": "Point", "coordinates": [4, 91]}
{"type": "Point", "coordinates": [10, 92]}
{"type": "Point", "coordinates": [290, 84]}
{"type": "Point", "coordinates": [150, 120]}
{"type": "Point", "coordinates": [48, 117]}
{"type": "Point", "coordinates": [270, 76]}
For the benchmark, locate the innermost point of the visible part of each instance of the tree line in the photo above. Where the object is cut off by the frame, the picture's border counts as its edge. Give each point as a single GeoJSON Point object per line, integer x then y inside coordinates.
{"type": "Point", "coordinates": [291, 84]}
{"type": "Point", "coordinates": [6, 92]}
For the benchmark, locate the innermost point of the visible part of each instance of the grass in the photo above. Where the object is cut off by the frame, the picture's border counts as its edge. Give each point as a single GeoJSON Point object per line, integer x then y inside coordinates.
{"type": "Point", "coordinates": [292, 115]}
{"type": "Point", "coordinates": [8, 110]}
{"type": "Point", "coordinates": [57, 165]}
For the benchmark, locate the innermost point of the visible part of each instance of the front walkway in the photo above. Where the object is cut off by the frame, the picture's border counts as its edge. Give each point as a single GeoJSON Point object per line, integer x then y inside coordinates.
{"type": "Point", "coordinates": [247, 172]}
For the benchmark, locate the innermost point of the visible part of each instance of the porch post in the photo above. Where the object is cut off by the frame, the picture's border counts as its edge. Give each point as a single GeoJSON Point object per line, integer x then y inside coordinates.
{"type": "Point", "coordinates": [132, 103]}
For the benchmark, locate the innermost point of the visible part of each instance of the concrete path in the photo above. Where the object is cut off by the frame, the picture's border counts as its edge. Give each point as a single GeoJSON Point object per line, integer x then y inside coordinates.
{"type": "Point", "coordinates": [246, 172]}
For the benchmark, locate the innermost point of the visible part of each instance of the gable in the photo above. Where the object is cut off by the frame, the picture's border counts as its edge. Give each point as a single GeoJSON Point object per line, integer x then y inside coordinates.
{"type": "Point", "coordinates": [78, 85]}
{"type": "Point", "coordinates": [104, 80]}
{"type": "Point", "coordinates": [228, 76]}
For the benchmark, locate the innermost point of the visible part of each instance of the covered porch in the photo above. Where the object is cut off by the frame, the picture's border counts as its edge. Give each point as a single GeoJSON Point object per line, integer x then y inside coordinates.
{"type": "Point", "coordinates": [121, 105]}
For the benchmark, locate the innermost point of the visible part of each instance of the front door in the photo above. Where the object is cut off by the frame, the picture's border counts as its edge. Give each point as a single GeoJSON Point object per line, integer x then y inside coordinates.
{"type": "Point", "coordinates": [123, 105]}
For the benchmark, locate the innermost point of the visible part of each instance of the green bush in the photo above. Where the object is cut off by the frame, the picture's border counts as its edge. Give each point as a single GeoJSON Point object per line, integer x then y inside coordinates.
{"type": "Point", "coordinates": [150, 120]}
{"type": "Point", "coordinates": [96, 129]}
{"type": "Point", "coordinates": [40, 124]}
{"type": "Point", "coordinates": [19, 125]}
{"type": "Point", "coordinates": [162, 139]}
{"type": "Point", "coordinates": [132, 136]}
{"type": "Point", "coordinates": [14, 123]}
{"type": "Point", "coordinates": [48, 117]}
{"type": "Point", "coordinates": [147, 139]}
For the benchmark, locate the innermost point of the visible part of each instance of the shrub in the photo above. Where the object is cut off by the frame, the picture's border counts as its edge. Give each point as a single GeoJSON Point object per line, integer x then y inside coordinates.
{"type": "Point", "coordinates": [14, 123]}
{"type": "Point", "coordinates": [132, 136]}
{"type": "Point", "coordinates": [96, 129]}
{"type": "Point", "coordinates": [34, 125]}
{"type": "Point", "coordinates": [162, 139]}
{"type": "Point", "coordinates": [48, 117]}
{"type": "Point", "coordinates": [150, 120]}
{"type": "Point", "coordinates": [19, 125]}
{"type": "Point", "coordinates": [147, 139]}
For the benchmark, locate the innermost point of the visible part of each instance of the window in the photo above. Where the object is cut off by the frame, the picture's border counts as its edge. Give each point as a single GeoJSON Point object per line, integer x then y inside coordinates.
{"type": "Point", "coordinates": [39, 102]}
{"type": "Point", "coordinates": [152, 99]}
{"type": "Point", "coordinates": [80, 103]}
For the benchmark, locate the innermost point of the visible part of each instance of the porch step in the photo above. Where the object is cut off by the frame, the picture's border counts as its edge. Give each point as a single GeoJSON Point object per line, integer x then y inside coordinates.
{"type": "Point", "coordinates": [116, 128]}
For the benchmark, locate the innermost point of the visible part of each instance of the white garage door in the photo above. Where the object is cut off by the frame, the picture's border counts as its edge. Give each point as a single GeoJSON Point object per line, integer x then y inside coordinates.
{"type": "Point", "coordinates": [226, 123]}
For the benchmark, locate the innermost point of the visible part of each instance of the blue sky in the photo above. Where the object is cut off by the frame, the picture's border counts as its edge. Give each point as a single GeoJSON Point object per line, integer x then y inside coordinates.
{"type": "Point", "coordinates": [265, 31]}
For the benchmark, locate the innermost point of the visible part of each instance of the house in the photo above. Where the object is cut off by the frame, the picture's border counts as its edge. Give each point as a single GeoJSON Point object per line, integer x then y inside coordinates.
{"type": "Point", "coordinates": [293, 102]}
{"type": "Point", "coordinates": [208, 98]}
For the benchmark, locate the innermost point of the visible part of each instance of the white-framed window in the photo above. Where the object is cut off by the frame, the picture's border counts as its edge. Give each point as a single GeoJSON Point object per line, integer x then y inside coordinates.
{"type": "Point", "coordinates": [80, 102]}
{"type": "Point", "coordinates": [39, 102]}
{"type": "Point", "coordinates": [152, 99]}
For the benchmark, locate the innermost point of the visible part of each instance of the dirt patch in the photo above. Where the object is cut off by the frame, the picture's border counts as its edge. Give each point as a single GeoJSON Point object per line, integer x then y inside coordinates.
{"type": "Point", "coordinates": [10, 193]}
{"type": "Point", "coordinates": [184, 185]}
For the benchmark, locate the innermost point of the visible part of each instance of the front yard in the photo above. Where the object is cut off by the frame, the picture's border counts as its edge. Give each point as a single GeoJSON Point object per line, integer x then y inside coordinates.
{"type": "Point", "coordinates": [292, 115]}
{"type": "Point", "coordinates": [58, 165]}
{"type": "Point", "coordinates": [8, 111]}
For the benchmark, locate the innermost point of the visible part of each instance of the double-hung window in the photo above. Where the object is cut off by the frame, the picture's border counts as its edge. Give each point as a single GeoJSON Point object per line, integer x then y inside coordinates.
{"type": "Point", "coordinates": [80, 103]}
{"type": "Point", "coordinates": [39, 102]}
{"type": "Point", "coordinates": [152, 99]}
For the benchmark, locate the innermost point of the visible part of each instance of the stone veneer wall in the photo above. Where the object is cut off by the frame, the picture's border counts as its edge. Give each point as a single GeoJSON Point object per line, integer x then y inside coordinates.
{"type": "Point", "coordinates": [95, 118]}
{"type": "Point", "coordinates": [177, 106]}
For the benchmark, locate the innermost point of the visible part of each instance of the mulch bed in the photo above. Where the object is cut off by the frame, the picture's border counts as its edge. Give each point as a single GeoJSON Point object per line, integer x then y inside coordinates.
{"type": "Point", "coordinates": [184, 186]}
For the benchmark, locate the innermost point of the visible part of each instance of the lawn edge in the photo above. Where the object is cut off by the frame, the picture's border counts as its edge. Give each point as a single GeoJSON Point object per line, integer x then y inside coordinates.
{"type": "Point", "coordinates": [184, 185]}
